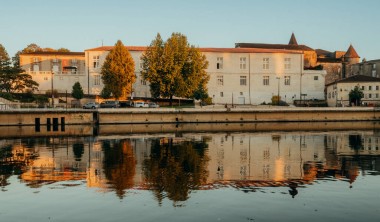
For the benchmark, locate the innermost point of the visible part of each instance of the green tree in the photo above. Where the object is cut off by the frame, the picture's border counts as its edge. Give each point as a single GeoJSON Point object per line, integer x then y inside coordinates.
{"type": "Point", "coordinates": [12, 77]}
{"type": "Point", "coordinates": [118, 71]}
{"type": "Point", "coordinates": [105, 93]}
{"type": "Point", "coordinates": [174, 68]}
{"type": "Point", "coordinates": [77, 91]}
{"type": "Point", "coordinates": [356, 95]}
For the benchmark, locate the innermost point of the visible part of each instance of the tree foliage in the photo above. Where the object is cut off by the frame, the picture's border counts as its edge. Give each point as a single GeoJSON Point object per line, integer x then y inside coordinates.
{"type": "Point", "coordinates": [12, 77]}
{"type": "Point", "coordinates": [77, 91]}
{"type": "Point", "coordinates": [33, 47]}
{"type": "Point", "coordinates": [174, 68]}
{"type": "Point", "coordinates": [356, 95]}
{"type": "Point", "coordinates": [118, 71]}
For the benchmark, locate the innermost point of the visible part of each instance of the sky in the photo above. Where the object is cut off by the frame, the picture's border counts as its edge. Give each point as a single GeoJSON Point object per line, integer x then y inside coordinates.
{"type": "Point", "coordinates": [83, 24]}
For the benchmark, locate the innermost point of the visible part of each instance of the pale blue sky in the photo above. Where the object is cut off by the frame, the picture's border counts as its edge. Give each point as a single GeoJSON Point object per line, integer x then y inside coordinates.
{"type": "Point", "coordinates": [83, 24]}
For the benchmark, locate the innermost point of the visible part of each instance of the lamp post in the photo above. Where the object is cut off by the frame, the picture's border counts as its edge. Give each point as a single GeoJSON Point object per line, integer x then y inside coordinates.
{"type": "Point", "coordinates": [52, 89]}
{"type": "Point", "coordinates": [278, 91]}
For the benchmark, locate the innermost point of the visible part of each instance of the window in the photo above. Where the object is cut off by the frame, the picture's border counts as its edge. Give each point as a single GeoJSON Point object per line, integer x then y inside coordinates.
{"type": "Point", "coordinates": [266, 80]}
{"type": "Point", "coordinates": [287, 80]}
{"type": "Point", "coordinates": [370, 95]}
{"type": "Point", "coordinates": [363, 88]}
{"type": "Point", "coordinates": [219, 80]}
{"type": "Point", "coordinates": [74, 61]}
{"type": "Point", "coordinates": [265, 63]}
{"type": "Point", "coordinates": [141, 64]}
{"type": "Point", "coordinates": [143, 82]}
{"type": "Point", "coordinates": [374, 66]}
{"type": "Point", "coordinates": [243, 80]}
{"type": "Point", "coordinates": [241, 93]}
{"type": "Point", "coordinates": [377, 87]}
{"type": "Point", "coordinates": [377, 95]}
{"type": "Point", "coordinates": [219, 63]}
{"type": "Point", "coordinates": [221, 94]}
{"type": "Point", "coordinates": [369, 87]}
{"type": "Point", "coordinates": [287, 62]}
{"type": "Point", "coordinates": [95, 61]}
{"type": "Point", "coordinates": [315, 77]}
{"type": "Point", "coordinates": [243, 62]}
{"type": "Point", "coordinates": [46, 78]}
{"type": "Point", "coordinates": [35, 59]}
{"type": "Point", "coordinates": [97, 80]}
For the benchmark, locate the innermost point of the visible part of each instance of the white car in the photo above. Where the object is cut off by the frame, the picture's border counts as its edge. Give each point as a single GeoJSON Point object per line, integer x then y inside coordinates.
{"type": "Point", "coordinates": [141, 104]}
{"type": "Point", "coordinates": [91, 105]}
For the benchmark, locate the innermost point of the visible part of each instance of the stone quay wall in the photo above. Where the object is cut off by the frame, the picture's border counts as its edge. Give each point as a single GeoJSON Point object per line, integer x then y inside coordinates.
{"type": "Point", "coordinates": [189, 115]}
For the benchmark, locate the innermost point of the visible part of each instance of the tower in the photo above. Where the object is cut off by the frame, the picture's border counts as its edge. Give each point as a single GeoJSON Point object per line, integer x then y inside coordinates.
{"type": "Point", "coordinates": [351, 57]}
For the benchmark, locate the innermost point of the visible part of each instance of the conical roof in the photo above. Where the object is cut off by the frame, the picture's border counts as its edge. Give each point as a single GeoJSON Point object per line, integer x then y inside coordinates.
{"type": "Point", "coordinates": [293, 40]}
{"type": "Point", "coordinates": [351, 53]}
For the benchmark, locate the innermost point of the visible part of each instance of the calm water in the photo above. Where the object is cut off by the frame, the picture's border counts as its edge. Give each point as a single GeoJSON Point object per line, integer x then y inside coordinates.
{"type": "Point", "coordinates": [203, 176]}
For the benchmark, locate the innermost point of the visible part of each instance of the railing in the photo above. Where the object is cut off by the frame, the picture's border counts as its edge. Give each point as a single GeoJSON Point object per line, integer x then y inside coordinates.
{"type": "Point", "coordinates": [55, 73]}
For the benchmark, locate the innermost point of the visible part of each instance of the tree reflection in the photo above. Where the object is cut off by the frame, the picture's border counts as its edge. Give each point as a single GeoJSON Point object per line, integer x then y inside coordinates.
{"type": "Point", "coordinates": [176, 168]}
{"type": "Point", "coordinates": [78, 150]}
{"type": "Point", "coordinates": [355, 142]}
{"type": "Point", "coordinates": [119, 165]}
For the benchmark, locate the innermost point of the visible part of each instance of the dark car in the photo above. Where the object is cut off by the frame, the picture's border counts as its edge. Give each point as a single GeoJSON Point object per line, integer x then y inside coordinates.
{"type": "Point", "coordinates": [110, 104]}
{"type": "Point", "coordinates": [127, 103]}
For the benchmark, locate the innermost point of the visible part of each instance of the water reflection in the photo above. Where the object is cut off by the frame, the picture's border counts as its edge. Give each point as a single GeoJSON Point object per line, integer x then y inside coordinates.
{"type": "Point", "coordinates": [173, 166]}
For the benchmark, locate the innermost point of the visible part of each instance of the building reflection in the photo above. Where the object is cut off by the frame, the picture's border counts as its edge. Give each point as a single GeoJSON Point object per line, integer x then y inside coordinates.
{"type": "Point", "coordinates": [172, 167]}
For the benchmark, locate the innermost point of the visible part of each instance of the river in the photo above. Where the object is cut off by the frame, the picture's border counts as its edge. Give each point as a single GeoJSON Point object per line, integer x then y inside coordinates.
{"type": "Point", "coordinates": [204, 175]}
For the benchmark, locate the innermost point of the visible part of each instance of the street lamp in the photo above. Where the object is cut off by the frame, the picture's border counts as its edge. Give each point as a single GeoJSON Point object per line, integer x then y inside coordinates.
{"type": "Point", "coordinates": [52, 89]}
{"type": "Point", "coordinates": [278, 91]}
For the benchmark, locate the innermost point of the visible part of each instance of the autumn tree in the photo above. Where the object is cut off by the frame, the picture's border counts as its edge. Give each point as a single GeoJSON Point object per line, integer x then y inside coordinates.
{"type": "Point", "coordinates": [118, 71]}
{"type": "Point", "coordinates": [174, 68]}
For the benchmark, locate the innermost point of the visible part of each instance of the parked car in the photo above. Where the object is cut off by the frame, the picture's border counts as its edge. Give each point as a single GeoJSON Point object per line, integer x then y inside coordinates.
{"type": "Point", "coordinates": [127, 103]}
{"type": "Point", "coordinates": [110, 104]}
{"type": "Point", "coordinates": [153, 105]}
{"type": "Point", "coordinates": [140, 104]}
{"type": "Point", "coordinates": [91, 105]}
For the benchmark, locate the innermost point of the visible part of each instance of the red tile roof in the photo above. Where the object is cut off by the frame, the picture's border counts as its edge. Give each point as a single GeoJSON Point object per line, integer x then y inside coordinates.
{"type": "Point", "coordinates": [221, 50]}
{"type": "Point", "coordinates": [54, 53]}
{"type": "Point", "coordinates": [351, 53]}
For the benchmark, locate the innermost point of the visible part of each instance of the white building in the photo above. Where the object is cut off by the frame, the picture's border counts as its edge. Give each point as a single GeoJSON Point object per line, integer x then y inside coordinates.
{"type": "Point", "coordinates": [338, 92]}
{"type": "Point", "coordinates": [237, 75]}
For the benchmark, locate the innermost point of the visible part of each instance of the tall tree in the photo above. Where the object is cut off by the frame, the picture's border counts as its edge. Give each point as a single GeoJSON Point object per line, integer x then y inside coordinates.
{"type": "Point", "coordinates": [12, 77]}
{"type": "Point", "coordinates": [174, 67]}
{"type": "Point", "coordinates": [118, 71]}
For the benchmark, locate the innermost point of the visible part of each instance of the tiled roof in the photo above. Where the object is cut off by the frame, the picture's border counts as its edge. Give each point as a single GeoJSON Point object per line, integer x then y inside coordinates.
{"type": "Point", "coordinates": [54, 53]}
{"type": "Point", "coordinates": [108, 48]}
{"type": "Point", "coordinates": [357, 78]}
{"type": "Point", "coordinates": [221, 50]}
{"type": "Point", "coordinates": [293, 40]}
{"type": "Point", "coordinates": [329, 60]}
{"type": "Point", "coordinates": [249, 50]}
{"type": "Point", "coordinates": [273, 46]}
{"type": "Point", "coordinates": [351, 53]}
